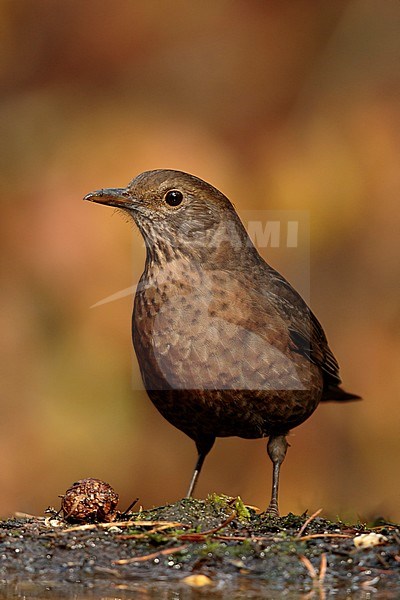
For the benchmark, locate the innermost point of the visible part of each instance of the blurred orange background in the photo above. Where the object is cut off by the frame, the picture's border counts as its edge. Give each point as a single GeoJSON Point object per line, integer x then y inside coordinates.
{"type": "Point", "coordinates": [282, 105]}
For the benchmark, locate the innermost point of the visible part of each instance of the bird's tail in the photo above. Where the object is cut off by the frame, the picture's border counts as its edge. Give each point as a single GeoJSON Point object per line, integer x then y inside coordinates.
{"type": "Point", "coordinates": [334, 393]}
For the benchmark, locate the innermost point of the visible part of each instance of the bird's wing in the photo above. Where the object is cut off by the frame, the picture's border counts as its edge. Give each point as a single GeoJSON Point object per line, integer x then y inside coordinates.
{"type": "Point", "coordinates": [305, 331]}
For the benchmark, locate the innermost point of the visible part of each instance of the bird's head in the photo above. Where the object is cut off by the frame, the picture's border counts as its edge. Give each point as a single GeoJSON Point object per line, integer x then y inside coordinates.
{"type": "Point", "coordinates": [175, 210]}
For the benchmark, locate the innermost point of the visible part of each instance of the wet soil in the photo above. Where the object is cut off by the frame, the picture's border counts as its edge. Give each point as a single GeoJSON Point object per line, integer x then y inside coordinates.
{"type": "Point", "coordinates": [198, 548]}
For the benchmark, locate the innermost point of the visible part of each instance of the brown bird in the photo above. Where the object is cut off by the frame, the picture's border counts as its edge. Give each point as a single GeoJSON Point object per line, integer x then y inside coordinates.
{"type": "Point", "coordinates": [225, 345]}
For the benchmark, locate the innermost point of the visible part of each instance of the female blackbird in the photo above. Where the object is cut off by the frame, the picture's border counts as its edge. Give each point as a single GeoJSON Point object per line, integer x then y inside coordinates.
{"type": "Point", "coordinates": [225, 345]}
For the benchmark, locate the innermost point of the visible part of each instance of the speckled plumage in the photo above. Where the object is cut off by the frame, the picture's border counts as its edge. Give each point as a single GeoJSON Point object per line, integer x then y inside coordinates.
{"type": "Point", "coordinates": [225, 345]}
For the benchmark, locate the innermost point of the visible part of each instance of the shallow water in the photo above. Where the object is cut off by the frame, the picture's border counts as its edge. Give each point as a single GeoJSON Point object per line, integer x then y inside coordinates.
{"type": "Point", "coordinates": [166, 590]}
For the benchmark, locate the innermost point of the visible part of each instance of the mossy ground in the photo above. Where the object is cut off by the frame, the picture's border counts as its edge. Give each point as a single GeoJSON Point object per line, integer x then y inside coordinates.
{"type": "Point", "coordinates": [240, 553]}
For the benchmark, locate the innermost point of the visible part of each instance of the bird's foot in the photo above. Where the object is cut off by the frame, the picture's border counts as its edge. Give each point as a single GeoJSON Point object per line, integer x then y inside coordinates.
{"type": "Point", "coordinates": [272, 510]}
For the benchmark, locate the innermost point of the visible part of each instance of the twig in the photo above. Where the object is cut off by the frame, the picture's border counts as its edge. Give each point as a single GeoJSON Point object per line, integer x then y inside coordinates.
{"type": "Point", "coordinates": [306, 523]}
{"type": "Point", "coordinates": [239, 538]}
{"type": "Point", "coordinates": [122, 524]}
{"type": "Point", "coordinates": [369, 584]}
{"type": "Point", "coordinates": [145, 534]}
{"type": "Point", "coordinates": [23, 515]}
{"type": "Point", "coordinates": [132, 504]}
{"type": "Point", "coordinates": [322, 568]}
{"type": "Point", "coordinates": [317, 578]}
{"type": "Point", "coordinates": [127, 561]}
{"type": "Point", "coordinates": [200, 537]}
{"type": "Point", "coordinates": [187, 537]}
{"type": "Point", "coordinates": [322, 535]}
{"type": "Point", "coordinates": [308, 565]}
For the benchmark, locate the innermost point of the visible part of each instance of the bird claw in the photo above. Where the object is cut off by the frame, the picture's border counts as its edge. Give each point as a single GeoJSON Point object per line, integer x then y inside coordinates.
{"type": "Point", "coordinates": [272, 510]}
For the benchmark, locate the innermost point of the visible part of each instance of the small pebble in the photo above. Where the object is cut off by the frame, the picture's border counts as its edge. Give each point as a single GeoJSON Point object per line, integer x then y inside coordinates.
{"type": "Point", "coordinates": [368, 540]}
{"type": "Point", "coordinates": [197, 581]}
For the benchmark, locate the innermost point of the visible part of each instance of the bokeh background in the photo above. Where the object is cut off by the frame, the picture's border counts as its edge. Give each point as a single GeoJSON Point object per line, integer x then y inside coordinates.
{"type": "Point", "coordinates": [283, 106]}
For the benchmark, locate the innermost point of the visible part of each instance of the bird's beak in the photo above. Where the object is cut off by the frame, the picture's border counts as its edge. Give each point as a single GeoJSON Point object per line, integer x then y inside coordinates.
{"type": "Point", "coordinates": [118, 197]}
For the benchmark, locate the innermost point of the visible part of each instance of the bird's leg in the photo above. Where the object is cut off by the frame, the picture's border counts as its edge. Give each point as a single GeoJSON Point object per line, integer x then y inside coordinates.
{"type": "Point", "coordinates": [195, 475]}
{"type": "Point", "coordinates": [277, 446]}
{"type": "Point", "coordinates": [203, 448]}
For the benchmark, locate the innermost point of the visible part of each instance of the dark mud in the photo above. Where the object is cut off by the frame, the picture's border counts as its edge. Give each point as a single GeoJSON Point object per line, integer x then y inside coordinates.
{"type": "Point", "coordinates": [215, 548]}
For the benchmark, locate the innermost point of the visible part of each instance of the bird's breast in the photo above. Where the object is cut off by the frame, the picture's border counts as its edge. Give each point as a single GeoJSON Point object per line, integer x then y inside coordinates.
{"type": "Point", "coordinates": [194, 329]}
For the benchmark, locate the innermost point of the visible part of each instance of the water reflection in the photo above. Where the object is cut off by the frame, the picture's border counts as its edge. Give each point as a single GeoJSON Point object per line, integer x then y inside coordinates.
{"type": "Point", "coordinates": [172, 590]}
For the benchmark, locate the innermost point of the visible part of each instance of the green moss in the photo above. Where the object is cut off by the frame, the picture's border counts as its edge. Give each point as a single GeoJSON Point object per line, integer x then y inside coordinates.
{"type": "Point", "coordinates": [157, 538]}
{"type": "Point", "coordinates": [210, 547]}
{"type": "Point", "coordinates": [220, 501]}
{"type": "Point", "coordinates": [243, 550]}
{"type": "Point", "coordinates": [243, 513]}
{"type": "Point", "coordinates": [15, 533]}
{"type": "Point", "coordinates": [178, 532]}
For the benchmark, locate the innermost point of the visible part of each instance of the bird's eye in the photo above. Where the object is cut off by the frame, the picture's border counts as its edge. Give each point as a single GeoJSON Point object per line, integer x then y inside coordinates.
{"type": "Point", "coordinates": [173, 197]}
